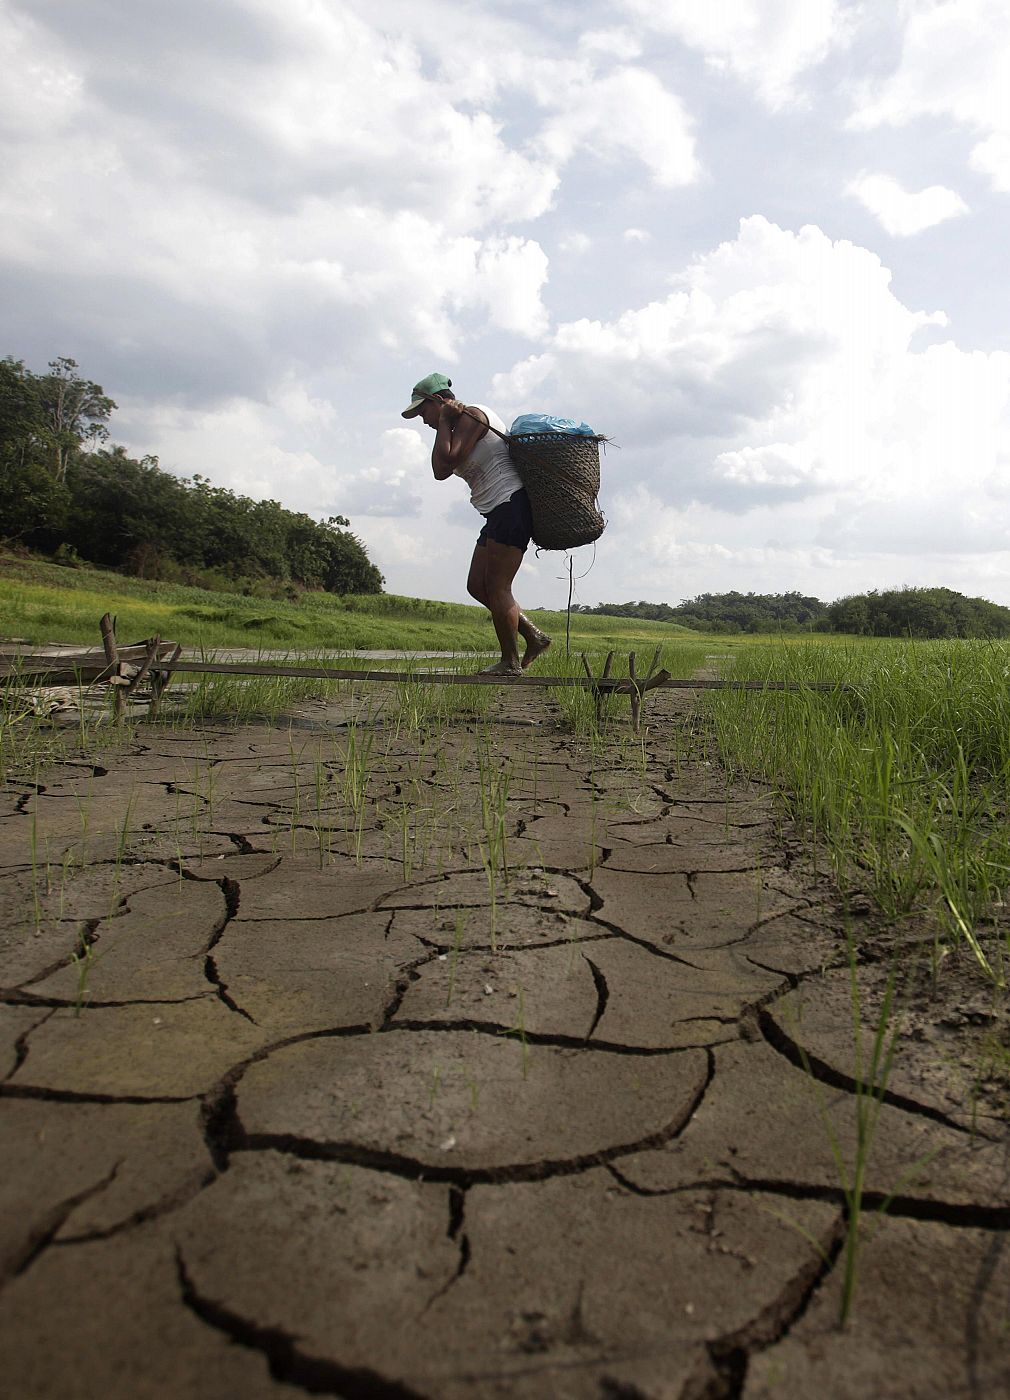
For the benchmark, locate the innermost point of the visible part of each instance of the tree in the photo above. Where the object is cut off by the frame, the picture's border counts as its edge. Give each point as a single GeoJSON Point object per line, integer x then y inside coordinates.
{"type": "Point", "coordinates": [851, 615]}
{"type": "Point", "coordinates": [348, 567]}
{"type": "Point", "coordinates": [918, 612]}
{"type": "Point", "coordinates": [76, 412]}
{"type": "Point", "coordinates": [30, 495]}
{"type": "Point", "coordinates": [22, 418]}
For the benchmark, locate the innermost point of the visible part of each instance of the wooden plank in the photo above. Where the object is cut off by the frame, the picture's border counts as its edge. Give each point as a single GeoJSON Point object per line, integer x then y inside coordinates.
{"type": "Point", "coordinates": [617, 683]}
{"type": "Point", "coordinates": [92, 665]}
{"type": "Point", "coordinates": [71, 666]}
{"type": "Point", "coordinates": [234, 668]}
{"type": "Point", "coordinates": [54, 675]}
{"type": "Point", "coordinates": [825, 686]}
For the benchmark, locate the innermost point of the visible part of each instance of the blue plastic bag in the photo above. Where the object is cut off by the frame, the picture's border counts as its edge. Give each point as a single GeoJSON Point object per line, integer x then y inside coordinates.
{"type": "Point", "coordinates": [544, 423]}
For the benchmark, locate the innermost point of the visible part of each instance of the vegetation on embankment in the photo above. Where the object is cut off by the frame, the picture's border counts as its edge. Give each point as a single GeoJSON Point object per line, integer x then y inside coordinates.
{"type": "Point", "coordinates": [903, 776]}
{"type": "Point", "coordinates": [922, 613]}
{"type": "Point", "coordinates": [726, 612]}
{"type": "Point", "coordinates": [51, 603]}
{"type": "Point", "coordinates": [63, 490]}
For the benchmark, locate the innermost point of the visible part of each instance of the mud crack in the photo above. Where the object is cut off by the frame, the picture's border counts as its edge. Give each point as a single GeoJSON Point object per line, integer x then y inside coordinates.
{"type": "Point", "coordinates": [175, 1200]}
{"type": "Point", "coordinates": [455, 1232]}
{"type": "Point", "coordinates": [567, 1042]}
{"type": "Point", "coordinates": [44, 1232]}
{"type": "Point", "coordinates": [819, 1069]}
{"type": "Point", "coordinates": [958, 1215]}
{"type": "Point", "coordinates": [21, 1046]}
{"type": "Point", "coordinates": [729, 1356]}
{"type": "Point", "coordinates": [593, 917]}
{"type": "Point", "coordinates": [232, 896]}
{"type": "Point", "coordinates": [408, 974]}
{"type": "Point", "coordinates": [602, 995]}
{"type": "Point", "coordinates": [86, 936]}
{"type": "Point", "coordinates": [14, 997]}
{"type": "Point", "coordinates": [21, 805]}
{"type": "Point", "coordinates": [287, 1362]}
{"type": "Point", "coordinates": [37, 1091]}
{"type": "Point", "coordinates": [412, 1169]}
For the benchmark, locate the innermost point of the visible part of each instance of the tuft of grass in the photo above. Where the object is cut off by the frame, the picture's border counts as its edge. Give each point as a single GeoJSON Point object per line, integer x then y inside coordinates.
{"type": "Point", "coordinates": [83, 959]}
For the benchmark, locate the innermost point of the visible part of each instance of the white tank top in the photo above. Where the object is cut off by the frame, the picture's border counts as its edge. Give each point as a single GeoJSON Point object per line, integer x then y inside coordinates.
{"type": "Point", "coordinates": [488, 471]}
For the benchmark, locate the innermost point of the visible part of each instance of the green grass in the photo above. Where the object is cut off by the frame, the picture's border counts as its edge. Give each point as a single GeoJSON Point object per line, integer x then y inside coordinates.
{"type": "Point", "coordinates": [49, 603]}
{"type": "Point", "coordinates": [906, 778]}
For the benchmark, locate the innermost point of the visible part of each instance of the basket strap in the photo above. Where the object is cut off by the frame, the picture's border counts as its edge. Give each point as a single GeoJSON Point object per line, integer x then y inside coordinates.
{"type": "Point", "coordinates": [468, 410]}
{"type": "Point", "coordinates": [505, 437]}
{"type": "Point", "coordinates": [497, 431]}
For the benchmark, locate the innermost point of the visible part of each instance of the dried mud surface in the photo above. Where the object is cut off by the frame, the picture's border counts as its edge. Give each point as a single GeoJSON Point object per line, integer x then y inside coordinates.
{"type": "Point", "coordinates": [322, 1073]}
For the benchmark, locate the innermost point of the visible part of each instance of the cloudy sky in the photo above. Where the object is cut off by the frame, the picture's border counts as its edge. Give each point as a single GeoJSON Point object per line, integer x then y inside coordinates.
{"type": "Point", "coordinates": [761, 244]}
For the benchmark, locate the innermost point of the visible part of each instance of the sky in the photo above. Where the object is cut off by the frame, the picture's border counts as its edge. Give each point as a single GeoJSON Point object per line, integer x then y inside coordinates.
{"type": "Point", "coordinates": [758, 244]}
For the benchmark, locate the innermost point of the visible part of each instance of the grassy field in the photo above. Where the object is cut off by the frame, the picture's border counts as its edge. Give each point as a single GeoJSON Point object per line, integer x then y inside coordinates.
{"type": "Point", "coordinates": [50, 603]}
{"type": "Point", "coordinates": [904, 780]}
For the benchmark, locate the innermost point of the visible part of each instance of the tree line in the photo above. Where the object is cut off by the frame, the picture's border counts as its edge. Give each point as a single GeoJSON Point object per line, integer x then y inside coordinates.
{"type": "Point", "coordinates": [727, 612]}
{"type": "Point", "coordinates": [921, 613]}
{"type": "Point", "coordinates": [65, 490]}
{"type": "Point", "coordinates": [918, 612]}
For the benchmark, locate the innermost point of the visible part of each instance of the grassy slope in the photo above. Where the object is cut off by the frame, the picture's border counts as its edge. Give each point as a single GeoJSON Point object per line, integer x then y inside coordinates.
{"type": "Point", "coordinates": [49, 603]}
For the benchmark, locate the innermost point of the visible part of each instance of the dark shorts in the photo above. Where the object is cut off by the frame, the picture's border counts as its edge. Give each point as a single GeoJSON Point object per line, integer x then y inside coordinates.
{"type": "Point", "coordinates": [510, 523]}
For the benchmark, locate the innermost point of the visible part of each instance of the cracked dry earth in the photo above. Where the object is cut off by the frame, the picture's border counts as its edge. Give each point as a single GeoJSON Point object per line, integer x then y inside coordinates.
{"type": "Point", "coordinates": [297, 1099]}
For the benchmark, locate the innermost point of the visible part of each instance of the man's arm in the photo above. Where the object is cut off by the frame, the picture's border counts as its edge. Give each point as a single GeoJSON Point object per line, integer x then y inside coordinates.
{"type": "Point", "coordinates": [458, 433]}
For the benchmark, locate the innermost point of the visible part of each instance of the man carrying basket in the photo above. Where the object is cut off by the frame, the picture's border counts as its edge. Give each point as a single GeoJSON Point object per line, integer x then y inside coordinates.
{"type": "Point", "coordinates": [471, 442]}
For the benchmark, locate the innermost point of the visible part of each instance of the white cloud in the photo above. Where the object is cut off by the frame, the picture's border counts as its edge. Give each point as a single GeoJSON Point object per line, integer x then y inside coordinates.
{"type": "Point", "coordinates": [991, 158]}
{"type": "Point", "coordinates": [766, 43]}
{"type": "Point", "coordinates": [771, 331]}
{"type": "Point", "coordinates": [626, 112]}
{"type": "Point", "coordinates": [392, 487]}
{"type": "Point", "coordinates": [347, 105]}
{"type": "Point", "coordinates": [618, 43]}
{"type": "Point", "coordinates": [955, 63]}
{"type": "Point", "coordinates": [308, 185]}
{"type": "Point", "coordinates": [298, 407]}
{"type": "Point", "coordinates": [902, 212]}
{"type": "Point", "coordinates": [247, 447]}
{"type": "Point", "coordinates": [777, 464]}
{"type": "Point", "coordinates": [508, 275]}
{"type": "Point", "coordinates": [40, 86]}
{"type": "Point", "coordinates": [778, 396]}
{"type": "Point", "coordinates": [635, 235]}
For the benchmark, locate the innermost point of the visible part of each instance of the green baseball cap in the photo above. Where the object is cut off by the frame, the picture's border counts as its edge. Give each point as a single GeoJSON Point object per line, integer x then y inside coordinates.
{"type": "Point", "coordinates": [425, 389]}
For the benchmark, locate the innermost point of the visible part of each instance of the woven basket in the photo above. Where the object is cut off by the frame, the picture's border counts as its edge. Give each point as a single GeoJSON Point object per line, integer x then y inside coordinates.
{"type": "Point", "coordinates": [561, 474]}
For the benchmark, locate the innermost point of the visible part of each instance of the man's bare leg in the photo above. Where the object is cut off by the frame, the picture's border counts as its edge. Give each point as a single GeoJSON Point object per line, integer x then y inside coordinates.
{"type": "Point", "coordinates": [536, 641]}
{"type": "Point", "coordinates": [503, 562]}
